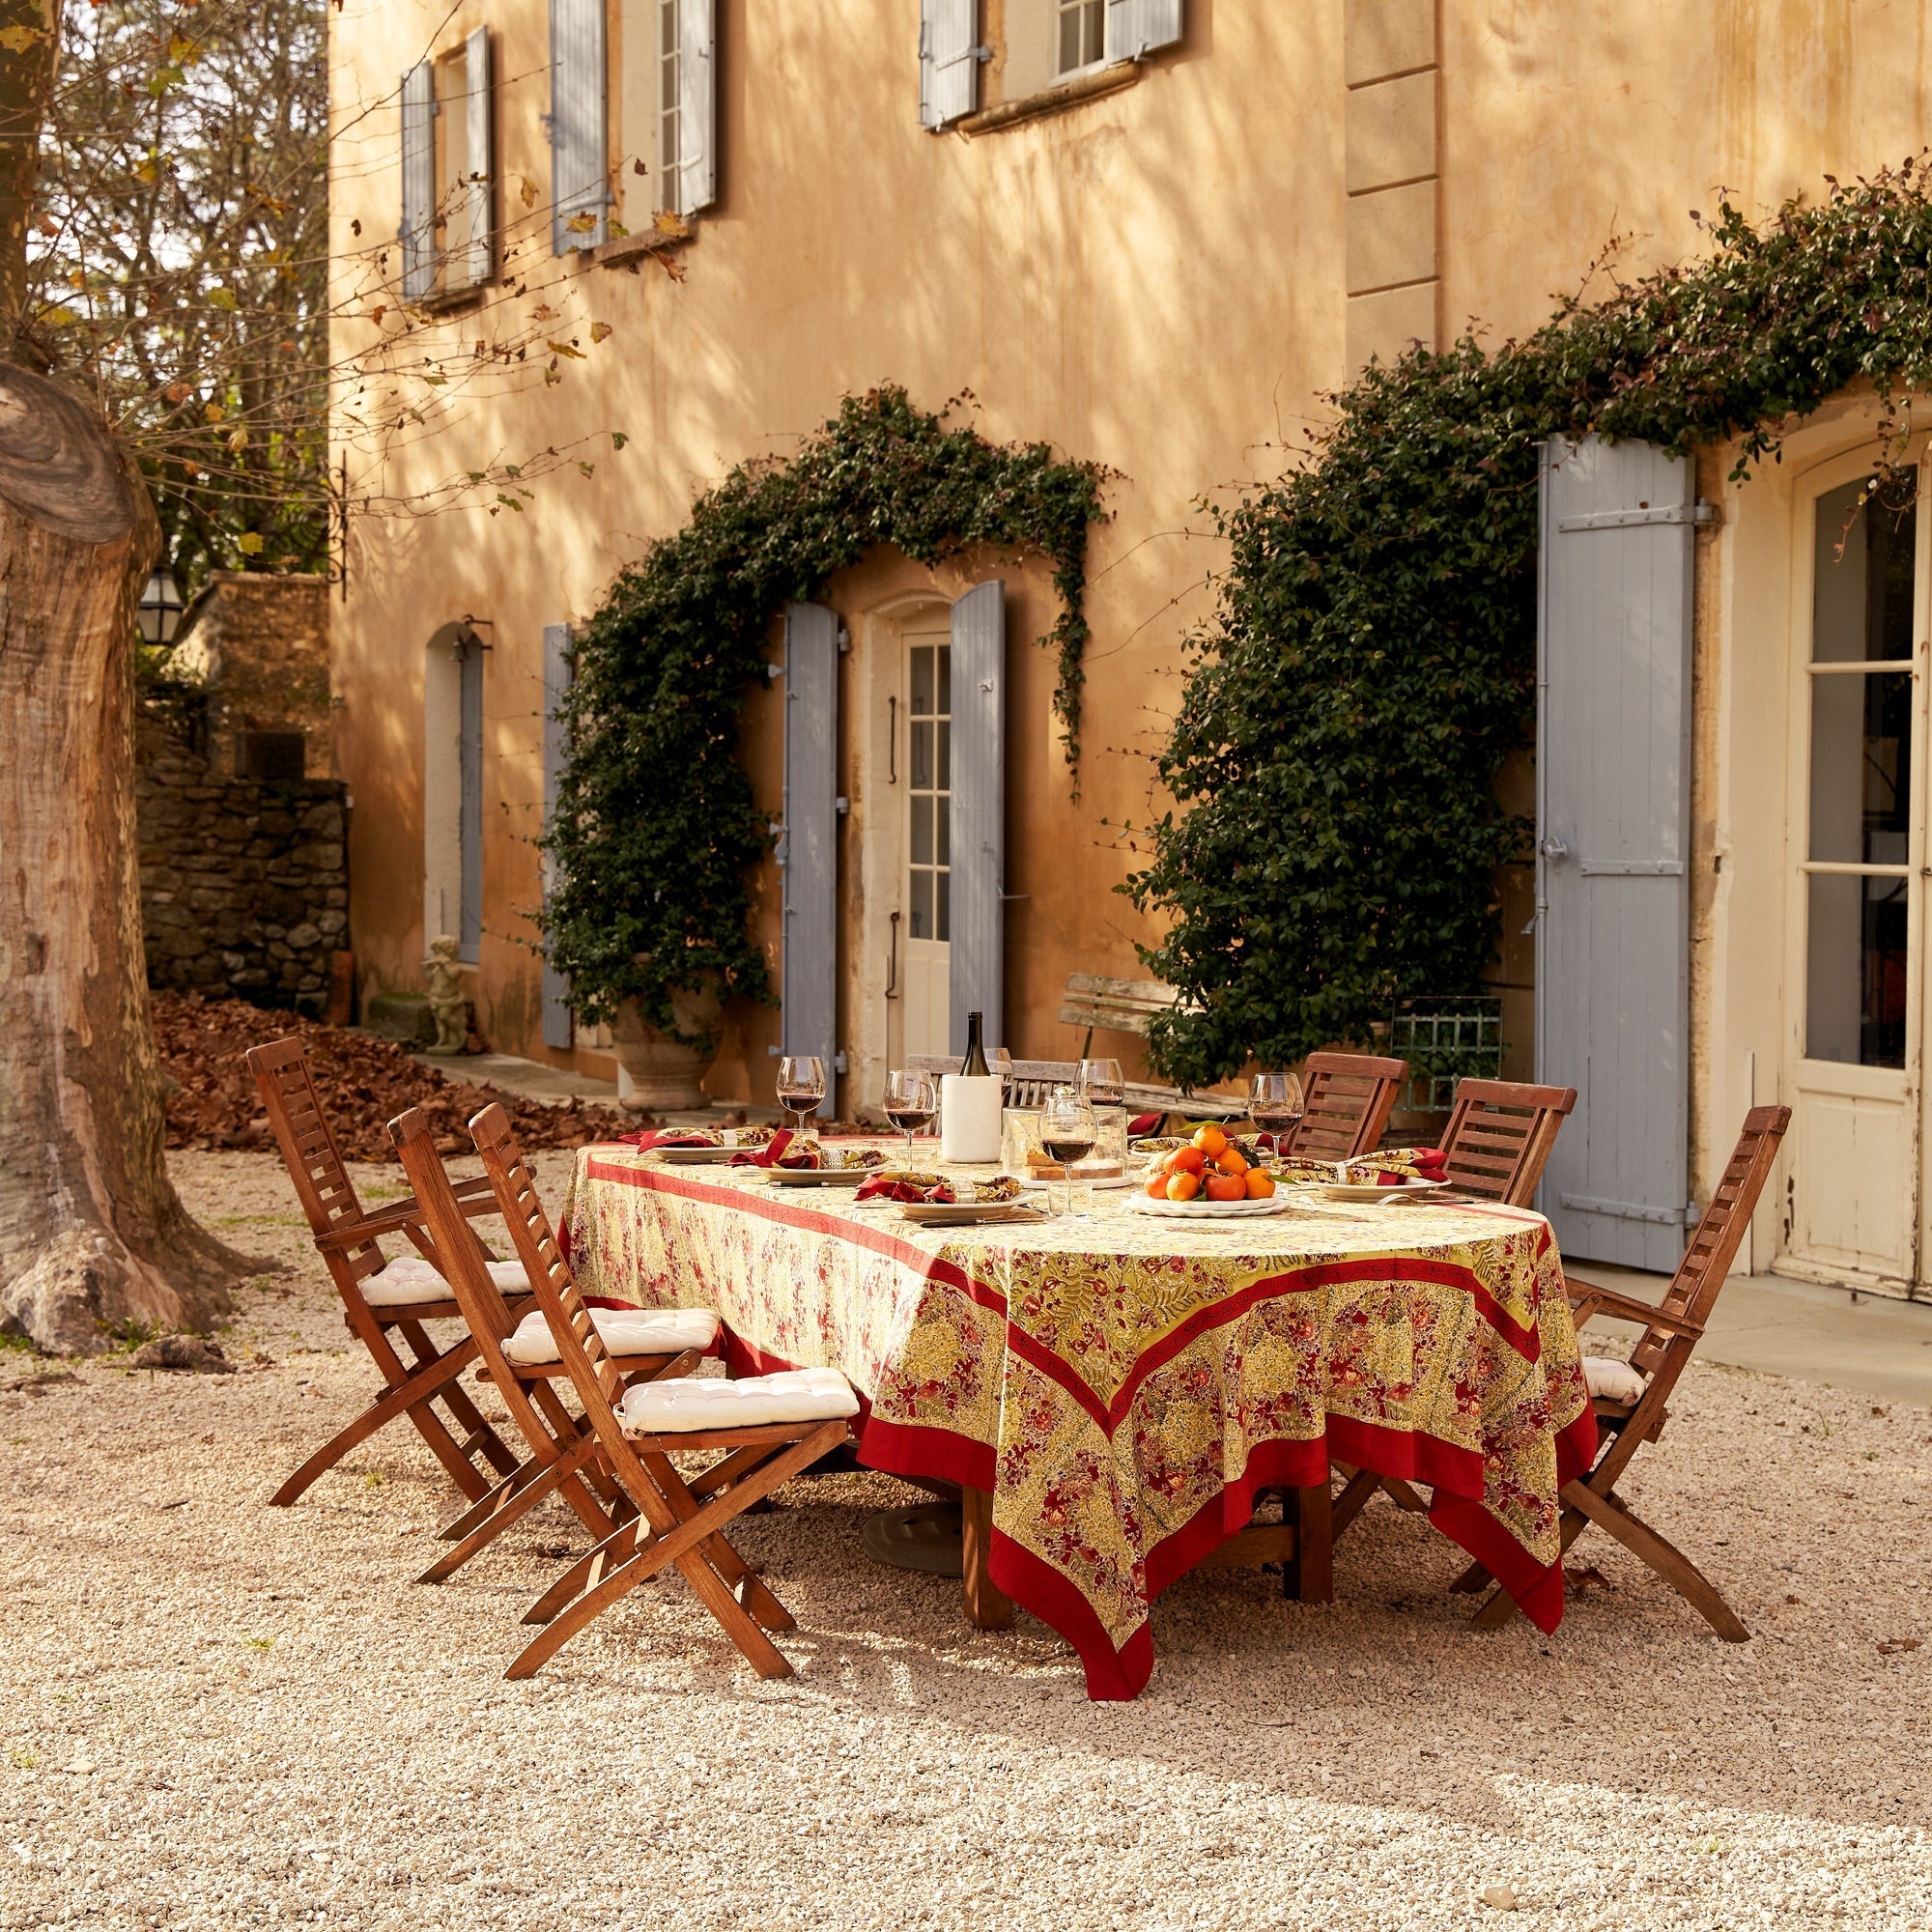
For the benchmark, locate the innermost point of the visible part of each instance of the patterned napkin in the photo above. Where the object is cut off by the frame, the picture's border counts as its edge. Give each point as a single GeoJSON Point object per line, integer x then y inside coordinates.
{"type": "Point", "coordinates": [778, 1152]}
{"type": "Point", "coordinates": [647, 1138]}
{"type": "Point", "coordinates": [890, 1185]}
{"type": "Point", "coordinates": [1392, 1166]}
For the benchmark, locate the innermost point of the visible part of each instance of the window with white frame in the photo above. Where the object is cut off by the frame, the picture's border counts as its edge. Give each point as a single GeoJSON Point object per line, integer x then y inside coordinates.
{"type": "Point", "coordinates": [1044, 42]}
{"type": "Point", "coordinates": [448, 226]}
{"type": "Point", "coordinates": [670, 120]}
{"type": "Point", "coordinates": [1080, 40]}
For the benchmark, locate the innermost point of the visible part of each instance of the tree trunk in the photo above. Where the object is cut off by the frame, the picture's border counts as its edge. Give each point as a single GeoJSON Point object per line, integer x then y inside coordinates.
{"type": "Point", "coordinates": [92, 1234]}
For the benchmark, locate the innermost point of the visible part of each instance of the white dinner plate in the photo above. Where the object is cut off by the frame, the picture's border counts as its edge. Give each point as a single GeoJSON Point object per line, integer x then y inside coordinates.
{"type": "Point", "coordinates": [818, 1177]}
{"type": "Point", "coordinates": [1199, 1209]}
{"type": "Point", "coordinates": [967, 1214]}
{"type": "Point", "coordinates": [1373, 1191]}
{"type": "Point", "coordinates": [695, 1157]}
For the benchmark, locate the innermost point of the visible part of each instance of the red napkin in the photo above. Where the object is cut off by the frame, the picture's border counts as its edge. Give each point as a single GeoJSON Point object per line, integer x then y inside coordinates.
{"type": "Point", "coordinates": [1431, 1164]}
{"type": "Point", "coordinates": [883, 1187]}
{"type": "Point", "coordinates": [773, 1153]}
{"type": "Point", "coordinates": [647, 1138]}
{"type": "Point", "coordinates": [1145, 1123]}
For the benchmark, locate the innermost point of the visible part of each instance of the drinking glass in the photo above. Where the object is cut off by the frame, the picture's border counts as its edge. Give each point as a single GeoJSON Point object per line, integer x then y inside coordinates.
{"type": "Point", "coordinates": [801, 1086]}
{"type": "Point", "coordinates": [1068, 1132]}
{"type": "Point", "coordinates": [1102, 1082]}
{"type": "Point", "coordinates": [912, 1098]}
{"type": "Point", "coordinates": [1275, 1104]}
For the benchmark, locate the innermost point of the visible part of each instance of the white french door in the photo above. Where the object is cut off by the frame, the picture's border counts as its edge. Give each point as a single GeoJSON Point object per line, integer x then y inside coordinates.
{"type": "Point", "coordinates": [1857, 940]}
{"type": "Point", "coordinates": [927, 888]}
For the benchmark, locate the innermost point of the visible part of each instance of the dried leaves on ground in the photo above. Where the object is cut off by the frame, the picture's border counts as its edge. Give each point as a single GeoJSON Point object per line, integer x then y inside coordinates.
{"type": "Point", "coordinates": [363, 1083]}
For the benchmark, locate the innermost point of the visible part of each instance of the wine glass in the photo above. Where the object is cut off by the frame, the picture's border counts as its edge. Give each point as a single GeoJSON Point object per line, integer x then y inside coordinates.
{"type": "Point", "coordinates": [1275, 1104]}
{"type": "Point", "coordinates": [1102, 1082]}
{"type": "Point", "coordinates": [801, 1086]}
{"type": "Point", "coordinates": [911, 1100]}
{"type": "Point", "coordinates": [1068, 1132]}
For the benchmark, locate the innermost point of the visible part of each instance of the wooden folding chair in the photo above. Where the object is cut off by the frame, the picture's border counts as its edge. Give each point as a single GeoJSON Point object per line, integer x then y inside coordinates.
{"type": "Point", "coordinates": [1630, 1401]}
{"type": "Point", "coordinates": [562, 1449]}
{"type": "Point", "coordinates": [790, 1421]}
{"type": "Point", "coordinates": [1499, 1137]}
{"type": "Point", "coordinates": [1347, 1098]}
{"type": "Point", "coordinates": [382, 1299]}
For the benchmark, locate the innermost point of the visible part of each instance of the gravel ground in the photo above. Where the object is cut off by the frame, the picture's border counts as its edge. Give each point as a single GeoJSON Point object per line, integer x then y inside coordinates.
{"type": "Point", "coordinates": [220, 1715]}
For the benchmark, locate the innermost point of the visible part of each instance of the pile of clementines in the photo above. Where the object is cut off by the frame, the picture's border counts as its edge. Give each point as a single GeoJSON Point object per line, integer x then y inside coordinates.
{"type": "Point", "coordinates": [1211, 1164]}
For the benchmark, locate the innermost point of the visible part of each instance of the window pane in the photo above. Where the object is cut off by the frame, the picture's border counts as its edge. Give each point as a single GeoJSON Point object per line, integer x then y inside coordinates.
{"type": "Point", "coordinates": [944, 854]}
{"type": "Point", "coordinates": [921, 681]}
{"type": "Point", "coordinates": [1861, 766]}
{"type": "Point", "coordinates": [921, 905]}
{"type": "Point", "coordinates": [945, 755]}
{"type": "Point", "coordinates": [1855, 980]}
{"type": "Point", "coordinates": [921, 756]}
{"type": "Point", "coordinates": [668, 27]}
{"type": "Point", "coordinates": [945, 929]}
{"type": "Point", "coordinates": [921, 830]}
{"type": "Point", "coordinates": [1865, 566]}
{"type": "Point", "coordinates": [944, 656]}
{"type": "Point", "coordinates": [1070, 38]}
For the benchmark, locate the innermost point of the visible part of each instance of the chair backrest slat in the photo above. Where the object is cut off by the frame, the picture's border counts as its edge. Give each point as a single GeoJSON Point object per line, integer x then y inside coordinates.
{"type": "Point", "coordinates": [1499, 1136]}
{"type": "Point", "coordinates": [580, 1346]}
{"type": "Point", "coordinates": [1347, 1098]}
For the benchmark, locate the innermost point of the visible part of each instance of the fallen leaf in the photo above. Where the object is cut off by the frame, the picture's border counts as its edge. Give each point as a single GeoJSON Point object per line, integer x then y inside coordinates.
{"type": "Point", "coordinates": [1892, 1646]}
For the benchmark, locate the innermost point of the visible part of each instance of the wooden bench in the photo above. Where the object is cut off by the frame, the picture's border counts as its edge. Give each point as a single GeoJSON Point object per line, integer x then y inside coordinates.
{"type": "Point", "coordinates": [1112, 1006]}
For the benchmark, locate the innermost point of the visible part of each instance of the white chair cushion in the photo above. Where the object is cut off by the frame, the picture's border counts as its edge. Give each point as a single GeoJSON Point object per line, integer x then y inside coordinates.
{"type": "Point", "coordinates": [1615, 1382]}
{"type": "Point", "coordinates": [693, 1402]}
{"type": "Point", "coordinates": [410, 1278]}
{"type": "Point", "coordinates": [624, 1331]}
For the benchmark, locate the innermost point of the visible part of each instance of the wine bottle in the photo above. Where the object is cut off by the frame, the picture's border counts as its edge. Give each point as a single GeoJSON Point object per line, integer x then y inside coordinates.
{"type": "Point", "coordinates": [973, 1067]}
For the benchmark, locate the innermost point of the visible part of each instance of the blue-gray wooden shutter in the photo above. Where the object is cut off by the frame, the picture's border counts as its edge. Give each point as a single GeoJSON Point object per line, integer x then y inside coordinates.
{"type": "Point", "coordinates": [579, 175]}
{"type": "Point", "coordinates": [949, 61]}
{"type": "Point", "coordinates": [479, 174]}
{"type": "Point", "coordinates": [1613, 799]}
{"type": "Point", "coordinates": [418, 225]}
{"type": "Point", "coordinates": [808, 853]}
{"type": "Point", "coordinates": [557, 1030]}
{"type": "Point", "coordinates": [975, 956]}
{"type": "Point", "coordinates": [1136, 27]}
{"type": "Point", "coordinates": [469, 803]}
{"type": "Point", "coordinates": [696, 106]}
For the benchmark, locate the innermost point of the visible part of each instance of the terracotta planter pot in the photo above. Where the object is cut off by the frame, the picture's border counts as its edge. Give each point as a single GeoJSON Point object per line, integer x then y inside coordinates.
{"type": "Point", "coordinates": [664, 1075]}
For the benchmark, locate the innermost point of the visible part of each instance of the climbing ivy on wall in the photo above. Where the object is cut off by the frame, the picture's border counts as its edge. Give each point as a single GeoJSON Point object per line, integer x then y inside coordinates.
{"type": "Point", "coordinates": [656, 831]}
{"type": "Point", "coordinates": [1370, 667]}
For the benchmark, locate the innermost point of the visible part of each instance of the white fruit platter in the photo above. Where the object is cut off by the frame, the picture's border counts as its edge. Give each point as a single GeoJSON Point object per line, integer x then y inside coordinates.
{"type": "Point", "coordinates": [1199, 1209]}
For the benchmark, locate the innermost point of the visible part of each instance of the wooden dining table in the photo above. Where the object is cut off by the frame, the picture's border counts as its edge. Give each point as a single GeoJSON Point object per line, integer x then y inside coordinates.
{"type": "Point", "coordinates": [1113, 1393]}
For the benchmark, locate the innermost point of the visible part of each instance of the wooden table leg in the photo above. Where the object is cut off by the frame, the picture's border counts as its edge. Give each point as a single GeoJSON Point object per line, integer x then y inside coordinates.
{"type": "Point", "coordinates": [988, 1607]}
{"type": "Point", "coordinates": [1310, 1578]}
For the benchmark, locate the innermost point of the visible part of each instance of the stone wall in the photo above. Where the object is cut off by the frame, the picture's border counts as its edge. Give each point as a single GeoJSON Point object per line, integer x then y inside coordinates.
{"type": "Point", "coordinates": [258, 644]}
{"type": "Point", "coordinates": [245, 882]}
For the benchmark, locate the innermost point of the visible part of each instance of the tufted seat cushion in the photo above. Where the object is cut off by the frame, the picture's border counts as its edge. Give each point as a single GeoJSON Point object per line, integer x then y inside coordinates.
{"type": "Point", "coordinates": [410, 1278]}
{"type": "Point", "coordinates": [624, 1331]}
{"type": "Point", "coordinates": [1610, 1379]}
{"type": "Point", "coordinates": [691, 1402]}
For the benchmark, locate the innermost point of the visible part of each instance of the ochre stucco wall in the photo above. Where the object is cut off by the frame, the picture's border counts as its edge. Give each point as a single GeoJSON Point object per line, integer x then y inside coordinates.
{"type": "Point", "coordinates": [1153, 280]}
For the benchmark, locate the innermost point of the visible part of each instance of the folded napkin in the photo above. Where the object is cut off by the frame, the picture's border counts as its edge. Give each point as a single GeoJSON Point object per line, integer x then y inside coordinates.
{"type": "Point", "coordinates": [647, 1138]}
{"type": "Point", "coordinates": [890, 1186]}
{"type": "Point", "coordinates": [778, 1152]}
{"type": "Point", "coordinates": [1395, 1165]}
{"type": "Point", "coordinates": [1145, 1123]}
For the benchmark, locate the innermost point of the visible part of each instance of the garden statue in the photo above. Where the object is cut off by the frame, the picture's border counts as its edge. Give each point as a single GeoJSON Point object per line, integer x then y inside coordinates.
{"type": "Point", "coordinates": [447, 1005]}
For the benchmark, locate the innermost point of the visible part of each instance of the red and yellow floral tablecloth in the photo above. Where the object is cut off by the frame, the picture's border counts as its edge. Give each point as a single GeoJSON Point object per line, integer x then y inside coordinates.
{"type": "Point", "coordinates": [1123, 1385]}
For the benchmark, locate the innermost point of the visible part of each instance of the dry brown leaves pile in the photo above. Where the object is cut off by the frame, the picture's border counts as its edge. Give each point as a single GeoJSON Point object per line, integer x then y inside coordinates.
{"type": "Point", "coordinates": [363, 1083]}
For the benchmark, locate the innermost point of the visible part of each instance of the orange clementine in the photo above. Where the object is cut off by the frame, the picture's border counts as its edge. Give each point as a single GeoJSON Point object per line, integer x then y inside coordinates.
{"type": "Point", "coordinates": [1157, 1186]}
{"type": "Point", "coordinates": [1259, 1183]}
{"type": "Point", "coordinates": [1186, 1160]}
{"type": "Point", "coordinates": [1227, 1187]}
{"type": "Point", "coordinates": [1210, 1140]}
{"type": "Point", "coordinates": [1184, 1186]}
{"type": "Point", "coordinates": [1232, 1161]}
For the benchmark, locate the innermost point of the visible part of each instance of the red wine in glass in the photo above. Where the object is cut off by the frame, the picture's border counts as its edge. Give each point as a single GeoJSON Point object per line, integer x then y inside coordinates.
{"type": "Point", "coordinates": [1067, 1152]}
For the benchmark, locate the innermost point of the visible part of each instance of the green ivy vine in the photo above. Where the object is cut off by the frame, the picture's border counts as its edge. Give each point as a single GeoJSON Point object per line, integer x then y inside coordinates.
{"type": "Point", "coordinates": [656, 831]}
{"type": "Point", "coordinates": [1370, 666]}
